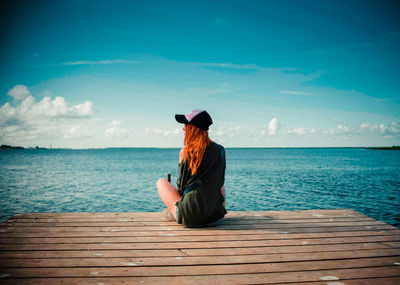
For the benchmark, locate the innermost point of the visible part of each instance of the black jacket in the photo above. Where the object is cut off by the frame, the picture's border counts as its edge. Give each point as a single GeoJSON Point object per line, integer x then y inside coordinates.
{"type": "Point", "coordinates": [204, 204]}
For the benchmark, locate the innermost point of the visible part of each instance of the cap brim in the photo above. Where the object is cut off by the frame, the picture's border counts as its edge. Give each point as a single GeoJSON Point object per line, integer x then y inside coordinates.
{"type": "Point", "coordinates": [181, 119]}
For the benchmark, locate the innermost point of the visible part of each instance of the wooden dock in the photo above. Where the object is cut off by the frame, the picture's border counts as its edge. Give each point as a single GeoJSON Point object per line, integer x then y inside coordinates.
{"type": "Point", "coordinates": [279, 247]}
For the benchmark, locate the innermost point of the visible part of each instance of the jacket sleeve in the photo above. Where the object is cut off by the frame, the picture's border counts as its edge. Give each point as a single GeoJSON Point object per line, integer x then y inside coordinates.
{"type": "Point", "coordinates": [179, 180]}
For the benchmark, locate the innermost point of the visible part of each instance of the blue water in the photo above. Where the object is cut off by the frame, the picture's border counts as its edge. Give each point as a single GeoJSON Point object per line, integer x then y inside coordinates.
{"type": "Point", "coordinates": [120, 180]}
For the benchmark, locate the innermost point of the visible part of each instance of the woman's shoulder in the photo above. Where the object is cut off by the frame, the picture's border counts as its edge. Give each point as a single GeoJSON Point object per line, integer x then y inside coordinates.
{"type": "Point", "coordinates": [214, 149]}
{"type": "Point", "coordinates": [214, 146]}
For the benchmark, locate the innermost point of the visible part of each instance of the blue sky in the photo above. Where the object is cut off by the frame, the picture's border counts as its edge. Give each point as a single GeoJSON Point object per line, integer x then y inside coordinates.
{"type": "Point", "coordinates": [87, 74]}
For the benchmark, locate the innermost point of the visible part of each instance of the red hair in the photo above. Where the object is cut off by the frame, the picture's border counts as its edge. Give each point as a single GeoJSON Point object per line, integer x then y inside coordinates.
{"type": "Point", "coordinates": [195, 143]}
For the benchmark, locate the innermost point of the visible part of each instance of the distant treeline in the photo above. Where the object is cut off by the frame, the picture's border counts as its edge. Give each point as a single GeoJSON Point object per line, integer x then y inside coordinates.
{"type": "Point", "coordinates": [395, 147]}
{"type": "Point", "coordinates": [4, 146]}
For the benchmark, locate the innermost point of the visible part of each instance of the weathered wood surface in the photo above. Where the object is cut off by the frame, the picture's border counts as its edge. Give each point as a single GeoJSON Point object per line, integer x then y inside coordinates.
{"type": "Point", "coordinates": [277, 247]}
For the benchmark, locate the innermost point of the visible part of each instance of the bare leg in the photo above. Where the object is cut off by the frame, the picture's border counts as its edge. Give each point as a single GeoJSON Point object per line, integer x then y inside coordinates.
{"type": "Point", "coordinates": [169, 195]}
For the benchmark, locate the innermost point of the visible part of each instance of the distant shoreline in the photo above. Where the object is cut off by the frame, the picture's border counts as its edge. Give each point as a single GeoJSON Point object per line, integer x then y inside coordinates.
{"type": "Point", "coordinates": [385, 148]}
{"type": "Point", "coordinates": [9, 147]}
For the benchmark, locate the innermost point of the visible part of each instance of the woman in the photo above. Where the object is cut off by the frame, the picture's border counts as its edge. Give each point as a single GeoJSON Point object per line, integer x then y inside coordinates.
{"type": "Point", "coordinates": [200, 197]}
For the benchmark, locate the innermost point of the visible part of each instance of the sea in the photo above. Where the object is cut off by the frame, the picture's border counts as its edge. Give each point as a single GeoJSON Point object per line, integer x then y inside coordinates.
{"type": "Point", "coordinates": [124, 179]}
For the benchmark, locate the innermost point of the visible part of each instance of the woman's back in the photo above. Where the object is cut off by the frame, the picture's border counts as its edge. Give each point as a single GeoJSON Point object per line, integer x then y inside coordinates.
{"type": "Point", "coordinates": [204, 204]}
{"type": "Point", "coordinates": [199, 198]}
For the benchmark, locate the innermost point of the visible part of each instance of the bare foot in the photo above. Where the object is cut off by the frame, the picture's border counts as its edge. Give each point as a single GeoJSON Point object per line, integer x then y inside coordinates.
{"type": "Point", "coordinates": [167, 214]}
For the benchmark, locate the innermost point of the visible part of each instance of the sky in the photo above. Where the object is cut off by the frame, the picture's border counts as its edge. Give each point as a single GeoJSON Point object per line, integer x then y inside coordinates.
{"type": "Point", "coordinates": [94, 74]}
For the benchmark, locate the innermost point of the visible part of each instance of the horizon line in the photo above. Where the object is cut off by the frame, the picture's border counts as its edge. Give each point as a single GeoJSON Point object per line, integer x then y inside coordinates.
{"type": "Point", "coordinates": [3, 147]}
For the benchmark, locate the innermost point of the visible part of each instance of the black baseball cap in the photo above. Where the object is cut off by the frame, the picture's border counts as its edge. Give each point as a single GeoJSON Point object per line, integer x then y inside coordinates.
{"type": "Point", "coordinates": [198, 118]}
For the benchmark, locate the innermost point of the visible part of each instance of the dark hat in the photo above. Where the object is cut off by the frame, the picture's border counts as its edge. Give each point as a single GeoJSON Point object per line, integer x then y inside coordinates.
{"type": "Point", "coordinates": [198, 118]}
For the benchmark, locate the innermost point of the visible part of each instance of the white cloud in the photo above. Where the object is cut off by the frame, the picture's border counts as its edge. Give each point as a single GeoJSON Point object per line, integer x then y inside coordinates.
{"type": "Point", "coordinates": [344, 131]}
{"type": "Point", "coordinates": [364, 126]}
{"type": "Point", "coordinates": [328, 131]}
{"type": "Point", "coordinates": [94, 62]}
{"type": "Point", "coordinates": [395, 127]}
{"type": "Point", "coordinates": [47, 119]}
{"type": "Point", "coordinates": [116, 123]}
{"type": "Point", "coordinates": [163, 132]}
{"type": "Point", "coordinates": [19, 92]}
{"type": "Point", "coordinates": [174, 132]}
{"type": "Point", "coordinates": [85, 109]}
{"type": "Point", "coordinates": [343, 128]}
{"type": "Point", "coordinates": [77, 132]}
{"type": "Point", "coordinates": [226, 132]}
{"type": "Point", "coordinates": [29, 110]}
{"type": "Point", "coordinates": [116, 131]}
{"type": "Point", "coordinates": [299, 130]}
{"type": "Point", "coordinates": [273, 126]}
{"type": "Point", "coordinates": [296, 93]}
{"type": "Point", "coordinates": [380, 129]}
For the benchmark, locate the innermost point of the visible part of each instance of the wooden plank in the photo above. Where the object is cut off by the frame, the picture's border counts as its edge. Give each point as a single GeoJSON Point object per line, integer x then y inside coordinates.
{"type": "Point", "coordinates": [206, 232]}
{"type": "Point", "coordinates": [140, 216]}
{"type": "Point", "coordinates": [364, 281]}
{"type": "Point", "coordinates": [157, 216]}
{"type": "Point", "coordinates": [299, 213]}
{"type": "Point", "coordinates": [393, 244]}
{"type": "Point", "coordinates": [265, 278]}
{"type": "Point", "coordinates": [268, 278]}
{"type": "Point", "coordinates": [101, 261]}
{"type": "Point", "coordinates": [190, 252]}
{"type": "Point", "coordinates": [236, 221]}
{"type": "Point", "coordinates": [254, 224]}
{"type": "Point", "coordinates": [281, 249]}
{"type": "Point", "coordinates": [285, 228]}
{"type": "Point", "coordinates": [212, 241]}
{"type": "Point", "coordinates": [221, 279]}
{"type": "Point", "coordinates": [133, 271]}
{"type": "Point", "coordinates": [161, 219]}
{"type": "Point", "coordinates": [256, 214]}
{"type": "Point", "coordinates": [103, 245]}
{"type": "Point", "coordinates": [265, 223]}
{"type": "Point", "coordinates": [199, 235]}
{"type": "Point", "coordinates": [148, 239]}
{"type": "Point", "coordinates": [93, 253]}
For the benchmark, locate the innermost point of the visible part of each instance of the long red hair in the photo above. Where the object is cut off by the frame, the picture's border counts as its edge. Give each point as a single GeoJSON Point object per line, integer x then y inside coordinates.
{"type": "Point", "coordinates": [195, 143]}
